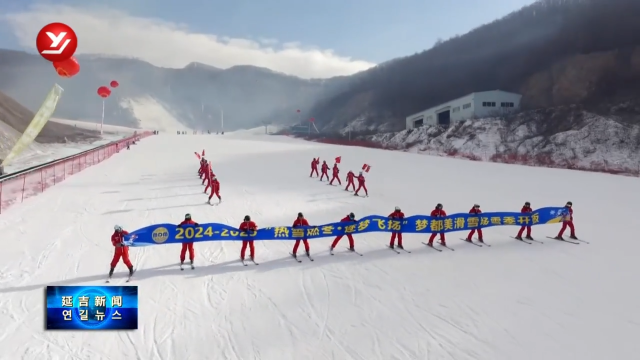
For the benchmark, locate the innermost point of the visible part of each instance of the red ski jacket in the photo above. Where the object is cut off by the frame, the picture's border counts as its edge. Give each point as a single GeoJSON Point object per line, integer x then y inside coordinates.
{"type": "Point", "coordinates": [350, 176]}
{"type": "Point", "coordinates": [300, 222]}
{"type": "Point", "coordinates": [247, 226]}
{"type": "Point", "coordinates": [438, 213]}
{"type": "Point", "coordinates": [118, 237]}
{"type": "Point", "coordinates": [215, 185]}
{"type": "Point", "coordinates": [348, 219]}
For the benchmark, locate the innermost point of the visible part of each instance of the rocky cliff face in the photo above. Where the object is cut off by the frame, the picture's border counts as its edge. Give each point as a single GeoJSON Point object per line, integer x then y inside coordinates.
{"type": "Point", "coordinates": [585, 141]}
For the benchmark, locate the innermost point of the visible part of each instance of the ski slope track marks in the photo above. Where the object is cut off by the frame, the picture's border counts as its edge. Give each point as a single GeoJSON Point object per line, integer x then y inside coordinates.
{"type": "Point", "coordinates": [510, 301]}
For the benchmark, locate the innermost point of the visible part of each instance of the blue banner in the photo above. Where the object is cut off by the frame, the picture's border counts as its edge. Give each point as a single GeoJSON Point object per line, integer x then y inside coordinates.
{"type": "Point", "coordinates": [92, 307]}
{"type": "Point", "coordinates": [419, 224]}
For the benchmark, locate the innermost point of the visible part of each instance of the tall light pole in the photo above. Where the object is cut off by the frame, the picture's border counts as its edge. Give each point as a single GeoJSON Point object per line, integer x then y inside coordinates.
{"type": "Point", "coordinates": [221, 118]}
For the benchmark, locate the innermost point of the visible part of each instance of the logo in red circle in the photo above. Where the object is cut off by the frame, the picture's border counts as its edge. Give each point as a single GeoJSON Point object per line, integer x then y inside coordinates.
{"type": "Point", "coordinates": [57, 42]}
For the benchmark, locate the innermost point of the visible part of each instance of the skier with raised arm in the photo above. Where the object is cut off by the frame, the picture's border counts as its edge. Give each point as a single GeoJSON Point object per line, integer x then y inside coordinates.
{"type": "Point", "coordinates": [121, 251]}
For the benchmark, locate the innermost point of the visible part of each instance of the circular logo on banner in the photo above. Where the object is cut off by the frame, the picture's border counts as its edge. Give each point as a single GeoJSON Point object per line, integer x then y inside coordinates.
{"type": "Point", "coordinates": [160, 235]}
{"type": "Point", "coordinates": [56, 42]}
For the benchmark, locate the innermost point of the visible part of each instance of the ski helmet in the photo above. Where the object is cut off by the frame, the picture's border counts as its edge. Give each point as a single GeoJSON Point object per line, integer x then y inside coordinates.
{"type": "Point", "coordinates": [117, 228]}
{"type": "Point", "coordinates": [398, 208]}
{"type": "Point", "coordinates": [300, 215]}
{"type": "Point", "coordinates": [527, 204]}
{"type": "Point", "coordinates": [187, 216]}
{"type": "Point", "coordinates": [247, 218]}
{"type": "Point", "coordinates": [569, 204]}
{"type": "Point", "coordinates": [439, 206]}
{"type": "Point", "coordinates": [476, 206]}
{"type": "Point", "coordinates": [352, 216]}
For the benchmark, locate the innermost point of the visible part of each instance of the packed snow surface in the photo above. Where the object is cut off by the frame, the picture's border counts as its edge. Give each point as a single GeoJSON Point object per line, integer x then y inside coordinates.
{"type": "Point", "coordinates": [509, 301]}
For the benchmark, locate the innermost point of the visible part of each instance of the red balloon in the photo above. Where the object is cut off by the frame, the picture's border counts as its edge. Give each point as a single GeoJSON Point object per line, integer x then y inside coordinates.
{"type": "Point", "coordinates": [114, 84]}
{"type": "Point", "coordinates": [104, 92]}
{"type": "Point", "coordinates": [67, 68]}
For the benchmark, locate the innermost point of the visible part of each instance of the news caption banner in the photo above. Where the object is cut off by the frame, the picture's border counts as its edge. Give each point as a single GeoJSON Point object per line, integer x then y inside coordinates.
{"type": "Point", "coordinates": [418, 224]}
{"type": "Point", "coordinates": [92, 307]}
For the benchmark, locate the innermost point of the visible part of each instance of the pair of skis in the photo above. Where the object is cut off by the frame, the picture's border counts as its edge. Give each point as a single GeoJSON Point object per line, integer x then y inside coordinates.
{"type": "Point", "coordinates": [244, 262]}
{"type": "Point", "coordinates": [478, 243]}
{"type": "Point", "coordinates": [351, 250]}
{"type": "Point", "coordinates": [128, 277]}
{"type": "Point", "coordinates": [182, 268]}
{"type": "Point", "coordinates": [436, 249]}
{"type": "Point", "coordinates": [298, 260]}
{"type": "Point", "coordinates": [527, 241]}
{"type": "Point", "coordinates": [572, 241]}
{"type": "Point", "coordinates": [398, 252]}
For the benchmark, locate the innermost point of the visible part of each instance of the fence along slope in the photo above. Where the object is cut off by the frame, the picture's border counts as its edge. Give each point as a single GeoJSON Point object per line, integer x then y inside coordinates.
{"type": "Point", "coordinates": [17, 187]}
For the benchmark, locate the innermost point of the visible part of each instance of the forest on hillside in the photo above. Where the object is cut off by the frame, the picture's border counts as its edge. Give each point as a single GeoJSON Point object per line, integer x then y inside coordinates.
{"type": "Point", "coordinates": [500, 55]}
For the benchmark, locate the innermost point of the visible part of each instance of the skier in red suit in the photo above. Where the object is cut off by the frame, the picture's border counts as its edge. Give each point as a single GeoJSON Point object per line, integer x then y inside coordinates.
{"type": "Point", "coordinates": [349, 218]}
{"type": "Point", "coordinates": [336, 171]}
{"type": "Point", "coordinates": [475, 210]}
{"type": "Point", "coordinates": [203, 164]}
{"type": "Point", "coordinates": [568, 222]}
{"type": "Point", "coordinates": [437, 212]}
{"type": "Point", "coordinates": [210, 176]}
{"type": "Point", "coordinates": [121, 250]}
{"type": "Point", "coordinates": [215, 189]}
{"type": "Point", "coordinates": [207, 173]}
{"type": "Point", "coordinates": [397, 214]}
{"type": "Point", "coordinates": [248, 226]}
{"type": "Point", "coordinates": [187, 245]}
{"type": "Point", "coordinates": [361, 185]}
{"type": "Point", "coordinates": [325, 169]}
{"type": "Point", "coordinates": [525, 210]}
{"type": "Point", "coordinates": [314, 167]}
{"type": "Point", "coordinates": [300, 221]}
{"type": "Point", "coordinates": [350, 177]}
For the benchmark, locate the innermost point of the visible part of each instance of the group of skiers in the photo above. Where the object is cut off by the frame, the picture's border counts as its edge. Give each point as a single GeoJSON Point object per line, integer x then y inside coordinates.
{"type": "Point", "coordinates": [206, 174]}
{"type": "Point", "coordinates": [248, 226]}
{"type": "Point", "coordinates": [335, 176]}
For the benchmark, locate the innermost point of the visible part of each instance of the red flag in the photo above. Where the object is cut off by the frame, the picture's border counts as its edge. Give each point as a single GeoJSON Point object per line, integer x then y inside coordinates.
{"type": "Point", "coordinates": [338, 159]}
{"type": "Point", "coordinates": [368, 168]}
{"type": "Point", "coordinates": [202, 152]}
{"type": "Point", "coordinates": [312, 119]}
{"type": "Point", "coordinates": [364, 167]}
{"type": "Point", "coordinates": [197, 155]}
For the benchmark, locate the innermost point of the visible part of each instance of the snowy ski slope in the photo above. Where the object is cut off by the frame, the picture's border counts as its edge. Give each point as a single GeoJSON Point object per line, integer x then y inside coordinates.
{"type": "Point", "coordinates": [510, 301]}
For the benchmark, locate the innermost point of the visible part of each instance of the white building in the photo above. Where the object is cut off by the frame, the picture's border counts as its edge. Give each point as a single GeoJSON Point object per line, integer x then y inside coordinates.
{"type": "Point", "coordinates": [475, 105]}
